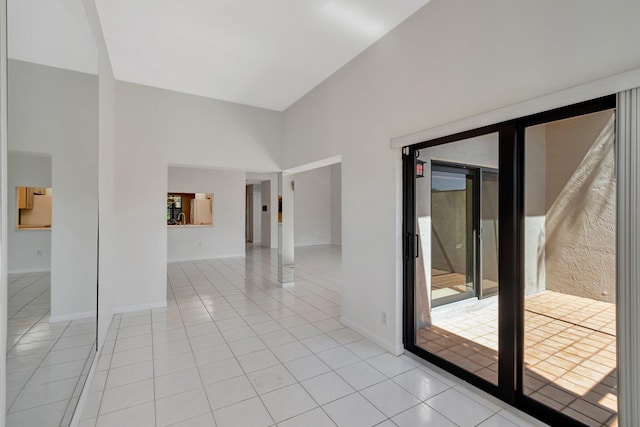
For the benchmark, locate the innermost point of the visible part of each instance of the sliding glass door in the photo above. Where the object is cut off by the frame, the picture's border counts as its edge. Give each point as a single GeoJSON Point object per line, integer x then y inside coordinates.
{"type": "Point", "coordinates": [488, 211]}
{"type": "Point", "coordinates": [569, 267]}
{"type": "Point", "coordinates": [509, 260]}
{"type": "Point", "coordinates": [455, 284]}
{"type": "Point", "coordinates": [453, 231]}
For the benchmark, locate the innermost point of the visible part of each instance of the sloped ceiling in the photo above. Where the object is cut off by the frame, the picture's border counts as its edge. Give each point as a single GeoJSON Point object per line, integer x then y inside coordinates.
{"type": "Point", "coordinates": [264, 53]}
{"type": "Point", "coordinates": [51, 32]}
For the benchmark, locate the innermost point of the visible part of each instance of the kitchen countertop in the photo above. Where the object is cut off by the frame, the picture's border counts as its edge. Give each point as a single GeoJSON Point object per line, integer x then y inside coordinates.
{"type": "Point", "coordinates": [188, 226]}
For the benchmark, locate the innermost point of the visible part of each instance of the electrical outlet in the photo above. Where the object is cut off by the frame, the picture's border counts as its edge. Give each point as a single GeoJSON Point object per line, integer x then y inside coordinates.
{"type": "Point", "coordinates": [383, 317]}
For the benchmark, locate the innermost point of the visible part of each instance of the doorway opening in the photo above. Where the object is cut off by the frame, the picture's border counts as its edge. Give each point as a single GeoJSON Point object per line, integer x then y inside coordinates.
{"type": "Point", "coordinates": [317, 217]}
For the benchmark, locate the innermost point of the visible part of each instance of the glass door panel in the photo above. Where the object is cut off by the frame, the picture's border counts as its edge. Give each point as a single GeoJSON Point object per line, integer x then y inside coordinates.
{"type": "Point", "coordinates": [452, 235]}
{"type": "Point", "coordinates": [452, 321]}
{"type": "Point", "coordinates": [528, 314]}
{"type": "Point", "coordinates": [489, 233]}
{"type": "Point", "coordinates": [569, 274]}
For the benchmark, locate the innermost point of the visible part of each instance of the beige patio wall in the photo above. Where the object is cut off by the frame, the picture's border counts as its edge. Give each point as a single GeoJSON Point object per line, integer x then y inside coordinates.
{"type": "Point", "coordinates": [580, 202]}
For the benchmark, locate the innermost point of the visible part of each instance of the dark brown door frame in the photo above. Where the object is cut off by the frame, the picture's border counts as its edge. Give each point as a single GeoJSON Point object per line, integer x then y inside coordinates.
{"type": "Point", "coordinates": [510, 251]}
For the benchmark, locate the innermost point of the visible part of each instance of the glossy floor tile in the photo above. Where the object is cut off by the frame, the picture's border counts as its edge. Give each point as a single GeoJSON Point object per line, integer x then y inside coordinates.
{"type": "Point", "coordinates": [47, 363]}
{"type": "Point", "coordinates": [234, 349]}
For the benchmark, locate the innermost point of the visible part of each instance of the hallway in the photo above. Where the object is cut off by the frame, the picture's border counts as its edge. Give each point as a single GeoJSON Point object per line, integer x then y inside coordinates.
{"type": "Point", "coordinates": [233, 349]}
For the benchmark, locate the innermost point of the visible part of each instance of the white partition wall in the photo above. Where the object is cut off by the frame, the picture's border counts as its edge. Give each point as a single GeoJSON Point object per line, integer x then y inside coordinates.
{"type": "Point", "coordinates": [225, 238]}
{"type": "Point", "coordinates": [3, 203]}
{"type": "Point", "coordinates": [286, 245]}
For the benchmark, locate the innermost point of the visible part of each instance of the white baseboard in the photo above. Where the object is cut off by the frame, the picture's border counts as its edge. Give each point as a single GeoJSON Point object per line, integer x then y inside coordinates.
{"type": "Point", "coordinates": [73, 316]}
{"type": "Point", "coordinates": [287, 284]}
{"type": "Point", "coordinates": [130, 308]}
{"type": "Point", "coordinates": [304, 245]}
{"type": "Point", "coordinates": [387, 345]}
{"type": "Point", "coordinates": [30, 270]}
{"type": "Point", "coordinates": [242, 255]}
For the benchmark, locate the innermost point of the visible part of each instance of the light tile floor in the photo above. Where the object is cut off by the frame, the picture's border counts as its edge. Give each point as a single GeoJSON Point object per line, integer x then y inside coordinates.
{"type": "Point", "coordinates": [234, 349]}
{"type": "Point", "coordinates": [570, 350]}
{"type": "Point", "coordinates": [47, 363]}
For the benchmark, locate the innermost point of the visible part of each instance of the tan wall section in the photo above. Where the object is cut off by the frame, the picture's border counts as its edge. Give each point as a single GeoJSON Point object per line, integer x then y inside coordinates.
{"type": "Point", "coordinates": [581, 209]}
{"type": "Point", "coordinates": [449, 231]}
{"type": "Point", "coordinates": [534, 209]}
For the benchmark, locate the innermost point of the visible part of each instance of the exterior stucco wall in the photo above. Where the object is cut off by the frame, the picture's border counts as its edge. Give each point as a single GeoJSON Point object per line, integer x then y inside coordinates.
{"type": "Point", "coordinates": [580, 207]}
{"type": "Point", "coordinates": [534, 209]}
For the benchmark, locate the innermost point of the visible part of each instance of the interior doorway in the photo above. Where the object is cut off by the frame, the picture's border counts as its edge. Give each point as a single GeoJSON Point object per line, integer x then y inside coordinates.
{"type": "Point", "coordinates": [312, 219]}
{"type": "Point", "coordinates": [248, 229]}
{"type": "Point", "coordinates": [254, 212]}
{"type": "Point", "coordinates": [318, 226]}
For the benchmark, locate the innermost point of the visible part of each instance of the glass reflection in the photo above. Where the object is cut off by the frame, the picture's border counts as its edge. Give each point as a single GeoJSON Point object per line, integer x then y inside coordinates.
{"type": "Point", "coordinates": [456, 270]}
{"type": "Point", "coordinates": [53, 210]}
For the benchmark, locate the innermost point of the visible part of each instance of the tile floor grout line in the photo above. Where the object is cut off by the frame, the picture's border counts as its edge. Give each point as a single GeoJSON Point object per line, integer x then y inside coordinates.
{"type": "Point", "coordinates": [24, 386]}
{"type": "Point", "coordinates": [204, 389]}
{"type": "Point", "coordinates": [290, 291]}
{"type": "Point", "coordinates": [280, 388]}
{"type": "Point", "coordinates": [227, 344]}
{"type": "Point", "coordinates": [26, 286]}
{"type": "Point", "coordinates": [108, 370]}
{"type": "Point", "coordinates": [76, 386]}
{"type": "Point", "coordinates": [153, 365]}
{"type": "Point", "coordinates": [211, 282]}
{"type": "Point", "coordinates": [22, 308]}
{"type": "Point", "coordinates": [332, 370]}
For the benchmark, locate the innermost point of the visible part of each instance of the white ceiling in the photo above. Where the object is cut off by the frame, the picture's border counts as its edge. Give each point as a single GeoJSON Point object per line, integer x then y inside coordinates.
{"type": "Point", "coordinates": [51, 32]}
{"type": "Point", "coordinates": [264, 53]}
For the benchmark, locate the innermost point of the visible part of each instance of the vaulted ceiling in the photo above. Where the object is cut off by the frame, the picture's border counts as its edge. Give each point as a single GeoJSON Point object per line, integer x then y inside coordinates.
{"type": "Point", "coordinates": [264, 53]}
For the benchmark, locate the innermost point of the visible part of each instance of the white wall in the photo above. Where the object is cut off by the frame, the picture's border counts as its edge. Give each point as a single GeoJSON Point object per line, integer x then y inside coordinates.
{"type": "Point", "coordinates": [226, 237]}
{"type": "Point", "coordinates": [336, 204]}
{"type": "Point", "coordinates": [312, 207]}
{"type": "Point", "coordinates": [29, 250]}
{"type": "Point", "coordinates": [55, 112]}
{"type": "Point", "coordinates": [318, 206]}
{"type": "Point", "coordinates": [3, 210]}
{"type": "Point", "coordinates": [448, 61]}
{"type": "Point", "coordinates": [534, 209]}
{"type": "Point", "coordinates": [108, 244]}
{"type": "Point", "coordinates": [286, 229]}
{"type": "Point", "coordinates": [155, 127]}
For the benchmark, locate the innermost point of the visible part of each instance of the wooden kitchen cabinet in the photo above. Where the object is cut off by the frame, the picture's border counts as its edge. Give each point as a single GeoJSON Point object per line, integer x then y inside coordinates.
{"type": "Point", "coordinates": [25, 198]}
